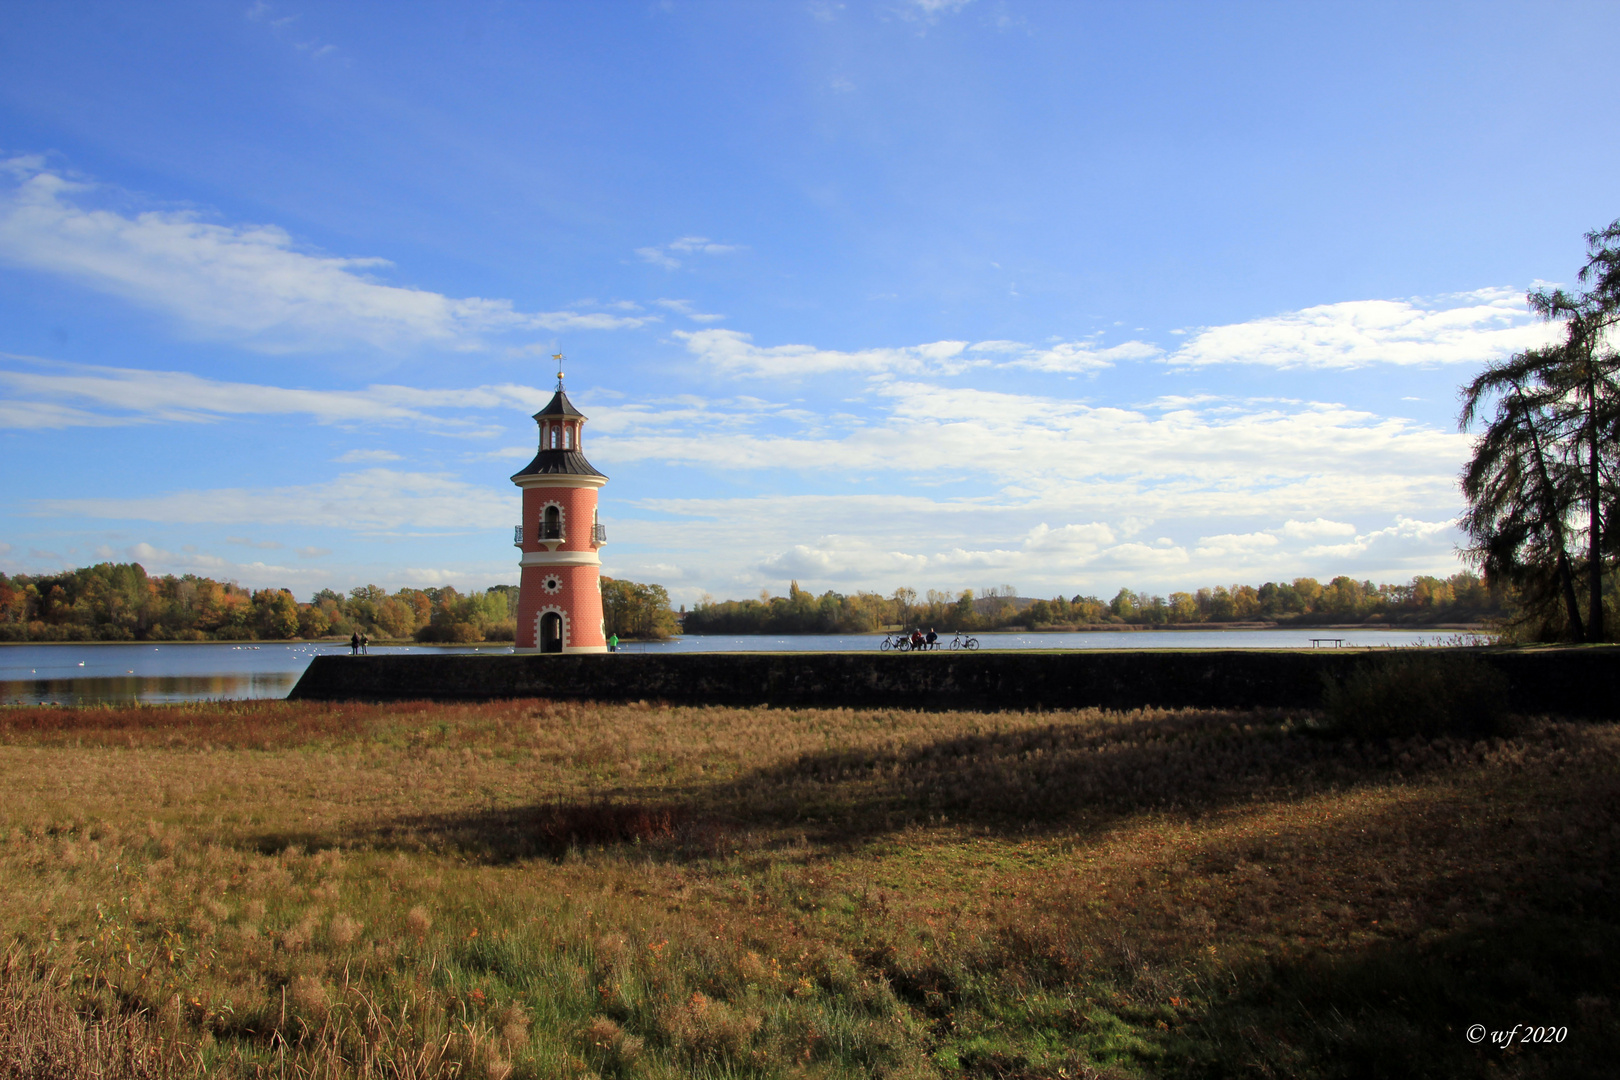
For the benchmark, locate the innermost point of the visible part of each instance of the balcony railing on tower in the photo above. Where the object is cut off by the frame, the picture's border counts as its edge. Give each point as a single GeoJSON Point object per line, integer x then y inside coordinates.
{"type": "Point", "coordinates": [598, 534]}
{"type": "Point", "coordinates": [517, 536]}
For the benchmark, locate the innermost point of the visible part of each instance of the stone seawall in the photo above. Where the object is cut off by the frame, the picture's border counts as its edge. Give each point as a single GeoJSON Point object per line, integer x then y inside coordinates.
{"type": "Point", "coordinates": [1575, 681]}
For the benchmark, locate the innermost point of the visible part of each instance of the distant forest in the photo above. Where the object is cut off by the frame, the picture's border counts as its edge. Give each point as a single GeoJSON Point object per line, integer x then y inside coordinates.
{"type": "Point", "coordinates": [121, 602]}
{"type": "Point", "coordinates": [1460, 598]}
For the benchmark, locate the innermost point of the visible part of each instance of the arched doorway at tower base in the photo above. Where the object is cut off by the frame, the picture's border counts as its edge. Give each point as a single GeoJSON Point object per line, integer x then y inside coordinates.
{"type": "Point", "coordinates": [551, 632]}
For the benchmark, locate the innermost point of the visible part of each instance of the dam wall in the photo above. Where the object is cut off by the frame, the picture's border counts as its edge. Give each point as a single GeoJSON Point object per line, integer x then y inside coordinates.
{"type": "Point", "coordinates": [1579, 681]}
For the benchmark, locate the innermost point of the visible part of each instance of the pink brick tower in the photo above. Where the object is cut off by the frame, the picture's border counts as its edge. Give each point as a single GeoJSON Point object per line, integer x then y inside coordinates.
{"type": "Point", "coordinates": [560, 595]}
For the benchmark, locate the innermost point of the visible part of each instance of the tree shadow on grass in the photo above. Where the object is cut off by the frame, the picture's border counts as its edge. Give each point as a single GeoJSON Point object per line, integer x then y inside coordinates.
{"type": "Point", "coordinates": [1538, 948]}
{"type": "Point", "coordinates": [1075, 778]}
{"type": "Point", "coordinates": [1367, 944]}
{"type": "Point", "coordinates": [1400, 1009]}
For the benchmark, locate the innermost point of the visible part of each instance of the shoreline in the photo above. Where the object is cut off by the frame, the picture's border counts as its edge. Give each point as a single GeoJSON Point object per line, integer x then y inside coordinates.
{"type": "Point", "coordinates": [1112, 628]}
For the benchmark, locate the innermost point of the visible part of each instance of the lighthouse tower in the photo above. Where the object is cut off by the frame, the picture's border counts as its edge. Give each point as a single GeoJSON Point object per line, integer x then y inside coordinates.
{"type": "Point", "coordinates": [560, 596]}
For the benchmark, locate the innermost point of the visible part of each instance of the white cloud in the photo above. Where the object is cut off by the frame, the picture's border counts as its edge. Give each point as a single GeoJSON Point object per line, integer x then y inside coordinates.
{"type": "Point", "coordinates": [734, 353]}
{"type": "Point", "coordinates": [253, 284]}
{"type": "Point", "coordinates": [703, 245]}
{"type": "Point", "coordinates": [879, 542]}
{"type": "Point", "coordinates": [1463, 328]}
{"type": "Point", "coordinates": [1055, 497]}
{"type": "Point", "coordinates": [127, 395]}
{"type": "Point", "coordinates": [158, 561]}
{"type": "Point", "coordinates": [367, 457]}
{"type": "Point", "coordinates": [659, 255]}
{"type": "Point", "coordinates": [1227, 453]}
{"type": "Point", "coordinates": [243, 541]}
{"type": "Point", "coordinates": [930, 11]}
{"type": "Point", "coordinates": [153, 557]}
{"type": "Point", "coordinates": [1085, 539]}
{"type": "Point", "coordinates": [39, 415]}
{"type": "Point", "coordinates": [1235, 545]}
{"type": "Point", "coordinates": [1074, 357]}
{"type": "Point", "coordinates": [368, 501]}
{"type": "Point", "coordinates": [1311, 530]}
{"type": "Point", "coordinates": [684, 307]}
{"type": "Point", "coordinates": [849, 560]}
{"type": "Point", "coordinates": [1405, 533]}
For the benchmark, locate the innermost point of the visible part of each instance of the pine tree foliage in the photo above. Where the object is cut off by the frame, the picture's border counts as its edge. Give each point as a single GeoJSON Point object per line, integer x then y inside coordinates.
{"type": "Point", "coordinates": [1541, 483]}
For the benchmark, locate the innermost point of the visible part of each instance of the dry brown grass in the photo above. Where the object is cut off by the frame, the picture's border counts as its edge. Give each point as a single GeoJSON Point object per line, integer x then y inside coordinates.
{"type": "Point", "coordinates": [44, 1036]}
{"type": "Point", "coordinates": [549, 889]}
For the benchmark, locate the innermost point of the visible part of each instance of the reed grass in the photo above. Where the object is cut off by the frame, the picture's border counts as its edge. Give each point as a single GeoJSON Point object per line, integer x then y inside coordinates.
{"type": "Point", "coordinates": [546, 889]}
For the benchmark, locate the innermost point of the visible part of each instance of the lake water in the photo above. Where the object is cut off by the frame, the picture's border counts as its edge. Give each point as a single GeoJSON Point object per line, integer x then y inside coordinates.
{"type": "Point", "coordinates": [74, 674]}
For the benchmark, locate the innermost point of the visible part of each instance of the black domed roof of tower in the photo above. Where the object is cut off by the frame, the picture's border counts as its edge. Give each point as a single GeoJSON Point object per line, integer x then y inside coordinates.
{"type": "Point", "coordinates": [559, 405]}
{"type": "Point", "coordinates": [559, 462]}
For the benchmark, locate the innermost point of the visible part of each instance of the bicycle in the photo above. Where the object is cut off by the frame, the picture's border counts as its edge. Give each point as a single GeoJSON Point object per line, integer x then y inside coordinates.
{"type": "Point", "coordinates": [897, 642]}
{"type": "Point", "coordinates": [961, 642]}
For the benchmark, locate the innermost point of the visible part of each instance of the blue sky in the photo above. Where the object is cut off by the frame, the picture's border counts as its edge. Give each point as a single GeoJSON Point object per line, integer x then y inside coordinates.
{"type": "Point", "coordinates": [941, 294]}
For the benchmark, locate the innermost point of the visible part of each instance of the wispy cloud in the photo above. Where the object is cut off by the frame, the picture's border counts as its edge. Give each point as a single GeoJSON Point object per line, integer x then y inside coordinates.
{"type": "Point", "coordinates": [47, 415]}
{"type": "Point", "coordinates": [684, 307]}
{"type": "Point", "coordinates": [373, 500]}
{"type": "Point", "coordinates": [265, 545]}
{"type": "Point", "coordinates": [1462, 328]}
{"type": "Point", "coordinates": [929, 11]}
{"type": "Point", "coordinates": [1062, 495]}
{"type": "Point", "coordinates": [878, 542]}
{"type": "Point", "coordinates": [734, 352]}
{"type": "Point", "coordinates": [1074, 357]}
{"type": "Point", "coordinates": [663, 254]}
{"type": "Point", "coordinates": [366, 457]}
{"type": "Point", "coordinates": [252, 284]}
{"type": "Point", "coordinates": [1470, 327]}
{"type": "Point", "coordinates": [1316, 529]}
{"type": "Point", "coordinates": [283, 26]}
{"type": "Point", "coordinates": [658, 257]}
{"type": "Point", "coordinates": [1405, 531]}
{"type": "Point", "coordinates": [1228, 455]}
{"type": "Point", "coordinates": [106, 395]}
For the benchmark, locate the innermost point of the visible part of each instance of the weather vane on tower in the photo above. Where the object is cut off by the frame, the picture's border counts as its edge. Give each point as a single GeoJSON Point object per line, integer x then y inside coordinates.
{"type": "Point", "coordinates": [559, 358]}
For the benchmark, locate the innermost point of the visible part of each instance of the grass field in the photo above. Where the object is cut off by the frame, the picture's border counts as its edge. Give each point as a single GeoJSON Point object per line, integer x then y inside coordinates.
{"type": "Point", "coordinates": [534, 889]}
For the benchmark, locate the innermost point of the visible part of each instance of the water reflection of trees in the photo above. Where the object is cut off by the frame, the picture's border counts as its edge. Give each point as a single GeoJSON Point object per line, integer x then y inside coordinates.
{"type": "Point", "coordinates": [147, 689]}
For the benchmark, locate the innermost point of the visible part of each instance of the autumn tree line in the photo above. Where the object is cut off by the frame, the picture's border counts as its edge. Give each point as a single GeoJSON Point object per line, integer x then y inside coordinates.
{"type": "Point", "coordinates": [121, 602]}
{"type": "Point", "coordinates": [1463, 597]}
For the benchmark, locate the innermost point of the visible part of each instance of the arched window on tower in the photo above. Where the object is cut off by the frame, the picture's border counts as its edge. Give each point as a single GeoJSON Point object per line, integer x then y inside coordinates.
{"type": "Point", "coordinates": [568, 438]}
{"type": "Point", "coordinates": [554, 438]}
{"type": "Point", "coordinates": [551, 524]}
